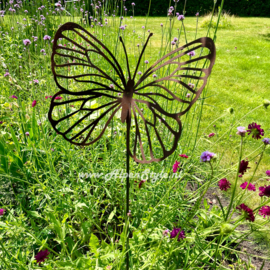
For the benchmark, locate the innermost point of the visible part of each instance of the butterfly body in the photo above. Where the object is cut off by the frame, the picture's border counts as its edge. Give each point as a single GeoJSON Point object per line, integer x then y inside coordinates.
{"type": "Point", "coordinates": [127, 100]}
{"type": "Point", "coordinates": [151, 105]}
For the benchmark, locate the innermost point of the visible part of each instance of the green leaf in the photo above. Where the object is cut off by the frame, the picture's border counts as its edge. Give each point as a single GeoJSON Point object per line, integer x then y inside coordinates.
{"type": "Point", "coordinates": [94, 243]}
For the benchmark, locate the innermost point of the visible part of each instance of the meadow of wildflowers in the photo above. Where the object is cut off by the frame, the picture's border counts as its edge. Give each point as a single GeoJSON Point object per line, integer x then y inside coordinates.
{"type": "Point", "coordinates": [54, 219]}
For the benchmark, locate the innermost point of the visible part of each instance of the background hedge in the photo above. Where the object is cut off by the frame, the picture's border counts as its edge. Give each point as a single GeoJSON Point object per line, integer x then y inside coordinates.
{"type": "Point", "coordinates": [237, 7]}
{"type": "Point", "coordinates": [159, 7]}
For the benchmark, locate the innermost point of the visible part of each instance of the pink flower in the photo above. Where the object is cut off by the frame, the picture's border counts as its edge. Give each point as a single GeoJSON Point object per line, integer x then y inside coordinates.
{"type": "Point", "coordinates": [181, 17]}
{"type": "Point", "coordinates": [26, 42]}
{"type": "Point", "coordinates": [6, 74]}
{"type": "Point", "coordinates": [224, 184]}
{"type": "Point", "coordinates": [34, 103]}
{"type": "Point", "coordinates": [2, 211]}
{"type": "Point", "coordinates": [57, 98]}
{"type": "Point", "coordinates": [13, 96]}
{"type": "Point", "coordinates": [211, 135]}
{"type": "Point", "coordinates": [268, 172]}
{"type": "Point", "coordinates": [265, 211]}
{"type": "Point", "coordinates": [176, 166]}
{"type": "Point", "coordinates": [188, 95]}
{"type": "Point", "coordinates": [250, 186]}
{"type": "Point", "coordinates": [191, 53]}
{"type": "Point", "coordinates": [183, 156]}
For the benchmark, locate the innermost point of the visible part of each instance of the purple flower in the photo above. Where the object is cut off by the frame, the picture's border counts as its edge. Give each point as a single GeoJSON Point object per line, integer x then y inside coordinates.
{"type": "Point", "coordinates": [139, 73]}
{"type": "Point", "coordinates": [188, 95]}
{"type": "Point", "coordinates": [243, 167]}
{"type": "Point", "coordinates": [255, 130]}
{"type": "Point", "coordinates": [265, 211]}
{"type": "Point", "coordinates": [146, 62]}
{"type": "Point", "coordinates": [224, 184]}
{"type": "Point", "coordinates": [13, 96]}
{"type": "Point", "coordinates": [266, 141]}
{"type": "Point", "coordinates": [111, 86]}
{"type": "Point", "coordinates": [122, 27]}
{"type": "Point", "coordinates": [268, 172]}
{"type": "Point", "coordinates": [2, 211]}
{"type": "Point", "coordinates": [46, 37]}
{"type": "Point", "coordinates": [241, 131]}
{"type": "Point", "coordinates": [176, 166]}
{"type": "Point", "coordinates": [42, 255]}
{"type": "Point", "coordinates": [42, 51]}
{"type": "Point", "coordinates": [211, 135]}
{"type": "Point", "coordinates": [161, 24]}
{"type": "Point", "coordinates": [173, 43]}
{"type": "Point", "coordinates": [179, 232]}
{"type": "Point", "coordinates": [251, 187]}
{"type": "Point", "coordinates": [27, 133]}
{"type": "Point", "coordinates": [133, 4]}
{"type": "Point", "coordinates": [248, 212]}
{"type": "Point", "coordinates": [197, 14]}
{"type": "Point", "coordinates": [57, 98]}
{"type": "Point", "coordinates": [155, 75]}
{"type": "Point", "coordinates": [35, 81]}
{"type": "Point", "coordinates": [26, 42]}
{"type": "Point", "coordinates": [34, 103]}
{"type": "Point", "coordinates": [191, 53]}
{"type": "Point", "coordinates": [264, 191]}
{"type": "Point", "coordinates": [181, 17]}
{"type": "Point", "coordinates": [26, 11]}
{"type": "Point", "coordinates": [207, 156]}
{"type": "Point", "coordinates": [6, 74]}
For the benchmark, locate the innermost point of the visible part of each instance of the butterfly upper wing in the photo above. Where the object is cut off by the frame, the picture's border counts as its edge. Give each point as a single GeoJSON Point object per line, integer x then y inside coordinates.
{"type": "Point", "coordinates": [90, 90]}
{"type": "Point", "coordinates": [159, 102]}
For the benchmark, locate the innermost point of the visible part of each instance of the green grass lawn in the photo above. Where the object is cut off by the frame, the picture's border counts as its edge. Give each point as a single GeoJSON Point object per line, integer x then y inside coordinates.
{"type": "Point", "coordinates": [47, 184]}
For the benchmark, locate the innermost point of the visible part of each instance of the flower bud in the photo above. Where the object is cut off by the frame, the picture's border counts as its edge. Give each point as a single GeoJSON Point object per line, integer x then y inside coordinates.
{"type": "Point", "coordinates": [230, 110]}
{"type": "Point", "coordinates": [266, 103]}
{"type": "Point", "coordinates": [226, 228]}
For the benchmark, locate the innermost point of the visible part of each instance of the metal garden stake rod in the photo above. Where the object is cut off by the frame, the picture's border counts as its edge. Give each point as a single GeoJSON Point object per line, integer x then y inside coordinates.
{"type": "Point", "coordinates": [82, 80]}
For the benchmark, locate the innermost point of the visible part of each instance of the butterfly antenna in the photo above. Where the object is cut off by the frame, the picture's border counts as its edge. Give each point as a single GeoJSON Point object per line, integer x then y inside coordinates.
{"type": "Point", "coordinates": [150, 35]}
{"type": "Point", "coordinates": [126, 56]}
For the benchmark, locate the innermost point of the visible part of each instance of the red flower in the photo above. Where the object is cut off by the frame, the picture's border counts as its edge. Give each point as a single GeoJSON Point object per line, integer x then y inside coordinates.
{"type": "Point", "coordinates": [141, 183]}
{"type": "Point", "coordinates": [42, 255]}
{"type": "Point", "coordinates": [183, 155]}
{"type": "Point", "coordinates": [248, 212]}
{"type": "Point", "coordinates": [243, 167]}
{"type": "Point", "coordinates": [255, 130]}
{"type": "Point", "coordinates": [224, 184]}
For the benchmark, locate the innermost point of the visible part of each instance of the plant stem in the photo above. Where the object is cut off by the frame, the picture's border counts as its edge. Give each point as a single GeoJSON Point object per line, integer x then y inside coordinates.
{"type": "Point", "coordinates": [127, 197]}
{"type": "Point", "coordinates": [236, 179]}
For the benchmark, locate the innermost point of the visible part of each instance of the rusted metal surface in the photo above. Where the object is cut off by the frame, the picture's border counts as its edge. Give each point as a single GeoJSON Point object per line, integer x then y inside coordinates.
{"type": "Point", "coordinates": [127, 94]}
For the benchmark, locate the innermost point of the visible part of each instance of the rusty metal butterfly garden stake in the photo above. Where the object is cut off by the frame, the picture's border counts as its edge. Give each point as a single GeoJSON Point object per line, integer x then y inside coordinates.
{"type": "Point", "coordinates": [97, 92]}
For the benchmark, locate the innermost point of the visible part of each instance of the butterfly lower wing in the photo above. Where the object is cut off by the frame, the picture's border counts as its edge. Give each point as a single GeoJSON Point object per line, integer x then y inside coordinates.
{"type": "Point", "coordinates": [82, 120]}
{"type": "Point", "coordinates": [153, 132]}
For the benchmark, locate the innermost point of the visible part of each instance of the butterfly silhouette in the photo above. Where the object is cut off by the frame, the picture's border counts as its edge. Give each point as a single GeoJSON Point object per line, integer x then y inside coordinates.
{"type": "Point", "coordinates": [96, 92]}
